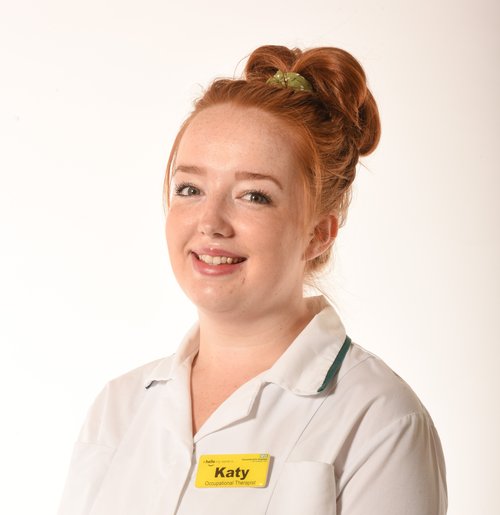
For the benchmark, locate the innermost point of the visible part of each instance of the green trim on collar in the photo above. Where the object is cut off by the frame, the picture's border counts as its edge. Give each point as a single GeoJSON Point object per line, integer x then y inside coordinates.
{"type": "Point", "coordinates": [336, 363]}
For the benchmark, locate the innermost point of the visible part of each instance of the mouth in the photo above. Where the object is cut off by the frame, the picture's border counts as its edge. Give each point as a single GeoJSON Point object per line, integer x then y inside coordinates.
{"type": "Point", "coordinates": [219, 260]}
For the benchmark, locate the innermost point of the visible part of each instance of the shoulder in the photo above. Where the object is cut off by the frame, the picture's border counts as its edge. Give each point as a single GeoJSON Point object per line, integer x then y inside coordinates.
{"type": "Point", "coordinates": [137, 379]}
{"type": "Point", "coordinates": [369, 401]}
{"type": "Point", "coordinates": [117, 402]}
{"type": "Point", "coordinates": [376, 386]}
{"type": "Point", "coordinates": [381, 417]}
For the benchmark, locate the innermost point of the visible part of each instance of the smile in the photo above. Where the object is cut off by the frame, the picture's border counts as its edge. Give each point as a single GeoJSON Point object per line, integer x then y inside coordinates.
{"type": "Point", "coordinates": [219, 260]}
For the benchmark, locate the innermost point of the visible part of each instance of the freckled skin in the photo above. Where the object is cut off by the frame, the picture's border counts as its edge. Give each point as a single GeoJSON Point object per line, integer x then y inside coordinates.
{"type": "Point", "coordinates": [222, 140]}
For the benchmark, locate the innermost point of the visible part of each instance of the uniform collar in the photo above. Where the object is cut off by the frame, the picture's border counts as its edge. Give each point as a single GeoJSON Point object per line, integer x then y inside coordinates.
{"type": "Point", "coordinates": [166, 368]}
{"type": "Point", "coordinates": [301, 369]}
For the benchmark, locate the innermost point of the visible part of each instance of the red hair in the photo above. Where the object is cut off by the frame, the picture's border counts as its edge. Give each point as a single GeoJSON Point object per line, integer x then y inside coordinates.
{"type": "Point", "coordinates": [332, 126]}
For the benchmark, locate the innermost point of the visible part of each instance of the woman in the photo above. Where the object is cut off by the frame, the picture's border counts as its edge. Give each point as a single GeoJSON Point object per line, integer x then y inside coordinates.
{"type": "Point", "coordinates": [267, 406]}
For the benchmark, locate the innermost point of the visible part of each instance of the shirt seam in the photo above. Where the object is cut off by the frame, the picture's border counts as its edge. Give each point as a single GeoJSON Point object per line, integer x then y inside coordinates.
{"type": "Point", "coordinates": [385, 429]}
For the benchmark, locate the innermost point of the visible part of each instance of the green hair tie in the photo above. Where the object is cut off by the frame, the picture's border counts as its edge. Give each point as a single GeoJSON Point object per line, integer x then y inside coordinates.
{"type": "Point", "coordinates": [290, 80]}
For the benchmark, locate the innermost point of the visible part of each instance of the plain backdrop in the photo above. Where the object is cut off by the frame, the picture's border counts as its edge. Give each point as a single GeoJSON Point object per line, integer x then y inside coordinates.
{"type": "Point", "coordinates": [91, 96]}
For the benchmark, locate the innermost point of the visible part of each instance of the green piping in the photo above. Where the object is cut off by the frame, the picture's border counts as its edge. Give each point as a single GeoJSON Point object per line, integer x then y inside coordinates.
{"type": "Point", "coordinates": [336, 363]}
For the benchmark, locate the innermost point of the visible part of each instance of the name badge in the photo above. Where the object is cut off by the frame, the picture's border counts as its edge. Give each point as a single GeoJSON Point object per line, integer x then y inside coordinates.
{"type": "Point", "coordinates": [232, 471]}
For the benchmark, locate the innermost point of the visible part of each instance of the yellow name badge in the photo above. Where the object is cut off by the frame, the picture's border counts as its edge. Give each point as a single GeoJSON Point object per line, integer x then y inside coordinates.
{"type": "Point", "coordinates": [232, 471]}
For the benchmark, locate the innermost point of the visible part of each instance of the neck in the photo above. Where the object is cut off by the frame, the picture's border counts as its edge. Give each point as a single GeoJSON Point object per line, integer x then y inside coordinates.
{"type": "Point", "coordinates": [251, 344]}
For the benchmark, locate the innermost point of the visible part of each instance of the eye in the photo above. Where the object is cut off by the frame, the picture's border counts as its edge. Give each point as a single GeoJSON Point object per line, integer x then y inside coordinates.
{"type": "Point", "coordinates": [257, 197]}
{"type": "Point", "coordinates": [186, 190]}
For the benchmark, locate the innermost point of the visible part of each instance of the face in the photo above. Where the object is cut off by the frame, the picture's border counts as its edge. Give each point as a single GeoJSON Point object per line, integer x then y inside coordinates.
{"type": "Point", "coordinates": [235, 232]}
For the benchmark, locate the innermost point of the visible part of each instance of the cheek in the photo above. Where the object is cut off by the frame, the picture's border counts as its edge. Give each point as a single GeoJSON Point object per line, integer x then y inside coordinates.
{"type": "Point", "coordinates": [280, 240]}
{"type": "Point", "coordinates": [175, 232]}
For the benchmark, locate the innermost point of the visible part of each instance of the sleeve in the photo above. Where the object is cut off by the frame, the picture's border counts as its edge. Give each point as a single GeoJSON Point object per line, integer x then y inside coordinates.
{"type": "Point", "coordinates": [88, 466]}
{"type": "Point", "coordinates": [399, 471]}
{"type": "Point", "coordinates": [105, 426]}
{"type": "Point", "coordinates": [90, 460]}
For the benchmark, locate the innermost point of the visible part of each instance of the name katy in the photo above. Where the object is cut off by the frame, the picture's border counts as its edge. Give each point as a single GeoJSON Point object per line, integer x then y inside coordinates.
{"type": "Point", "coordinates": [238, 472]}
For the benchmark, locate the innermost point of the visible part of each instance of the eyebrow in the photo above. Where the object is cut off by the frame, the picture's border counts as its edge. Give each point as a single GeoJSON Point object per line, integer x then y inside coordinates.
{"type": "Point", "coordinates": [240, 175]}
{"type": "Point", "coordinates": [189, 169]}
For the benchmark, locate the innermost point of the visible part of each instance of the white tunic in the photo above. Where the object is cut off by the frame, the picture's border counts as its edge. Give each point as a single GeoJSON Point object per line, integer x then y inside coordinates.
{"type": "Point", "coordinates": [364, 445]}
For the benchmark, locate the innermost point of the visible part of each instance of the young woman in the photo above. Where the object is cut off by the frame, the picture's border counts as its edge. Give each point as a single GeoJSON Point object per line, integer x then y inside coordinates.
{"type": "Point", "coordinates": [267, 407]}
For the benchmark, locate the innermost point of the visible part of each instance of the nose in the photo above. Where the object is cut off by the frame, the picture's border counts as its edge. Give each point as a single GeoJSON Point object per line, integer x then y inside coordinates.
{"type": "Point", "coordinates": [215, 220]}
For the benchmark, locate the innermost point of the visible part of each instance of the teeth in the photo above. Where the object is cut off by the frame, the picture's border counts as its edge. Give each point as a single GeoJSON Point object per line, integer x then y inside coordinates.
{"type": "Point", "coordinates": [219, 260]}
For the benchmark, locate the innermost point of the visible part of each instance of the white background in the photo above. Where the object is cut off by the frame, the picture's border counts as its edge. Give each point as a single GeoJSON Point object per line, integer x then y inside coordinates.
{"type": "Point", "coordinates": [91, 96]}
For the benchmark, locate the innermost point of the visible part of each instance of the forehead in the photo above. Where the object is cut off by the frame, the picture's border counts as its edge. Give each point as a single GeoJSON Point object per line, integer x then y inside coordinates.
{"type": "Point", "coordinates": [227, 137]}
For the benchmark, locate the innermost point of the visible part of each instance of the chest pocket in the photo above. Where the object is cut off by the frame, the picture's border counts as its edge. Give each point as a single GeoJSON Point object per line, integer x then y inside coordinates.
{"type": "Point", "coordinates": [303, 488]}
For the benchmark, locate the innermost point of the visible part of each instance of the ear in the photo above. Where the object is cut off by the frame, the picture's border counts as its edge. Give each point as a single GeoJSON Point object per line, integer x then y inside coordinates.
{"type": "Point", "coordinates": [322, 235]}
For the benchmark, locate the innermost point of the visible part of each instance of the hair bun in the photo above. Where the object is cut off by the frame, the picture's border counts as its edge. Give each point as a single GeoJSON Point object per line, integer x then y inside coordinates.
{"type": "Point", "coordinates": [338, 81]}
{"type": "Point", "coordinates": [266, 60]}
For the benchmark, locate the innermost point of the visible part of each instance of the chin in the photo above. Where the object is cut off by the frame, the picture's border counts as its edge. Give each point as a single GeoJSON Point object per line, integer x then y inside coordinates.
{"type": "Point", "coordinates": [213, 300]}
{"type": "Point", "coordinates": [216, 306]}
